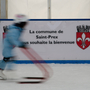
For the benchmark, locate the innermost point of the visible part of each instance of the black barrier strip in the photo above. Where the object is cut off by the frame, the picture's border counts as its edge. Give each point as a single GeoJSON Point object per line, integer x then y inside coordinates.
{"type": "Point", "coordinates": [42, 79]}
{"type": "Point", "coordinates": [33, 77]}
{"type": "Point", "coordinates": [49, 19]}
{"type": "Point", "coordinates": [55, 61]}
{"type": "Point", "coordinates": [30, 82]}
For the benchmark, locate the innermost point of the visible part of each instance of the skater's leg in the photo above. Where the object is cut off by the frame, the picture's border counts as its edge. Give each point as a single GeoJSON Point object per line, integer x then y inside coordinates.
{"type": "Point", "coordinates": [2, 67]}
{"type": "Point", "coordinates": [11, 65]}
{"type": "Point", "coordinates": [3, 64]}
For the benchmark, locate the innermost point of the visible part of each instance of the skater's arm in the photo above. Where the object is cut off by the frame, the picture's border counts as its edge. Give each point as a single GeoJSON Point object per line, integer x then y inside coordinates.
{"type": "Point", "coordinates": [14, 37]}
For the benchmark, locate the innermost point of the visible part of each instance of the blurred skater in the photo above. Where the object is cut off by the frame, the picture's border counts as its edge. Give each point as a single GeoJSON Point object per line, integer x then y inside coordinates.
{"type": "Point", "coordinates": [11, 40]}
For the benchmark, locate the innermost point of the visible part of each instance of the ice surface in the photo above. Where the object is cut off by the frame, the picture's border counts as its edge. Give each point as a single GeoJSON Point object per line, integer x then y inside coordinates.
{"type": "Point", "coordinates": [65, 77]}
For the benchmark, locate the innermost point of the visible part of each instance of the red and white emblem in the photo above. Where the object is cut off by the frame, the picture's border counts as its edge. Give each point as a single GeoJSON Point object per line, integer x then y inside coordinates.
{"type": "Point", "coordinates": [83, 39]}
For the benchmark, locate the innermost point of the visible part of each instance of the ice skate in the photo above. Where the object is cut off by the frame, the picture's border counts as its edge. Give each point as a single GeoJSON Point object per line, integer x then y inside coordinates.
{"type": "Point", "coordinates": [2, 76]}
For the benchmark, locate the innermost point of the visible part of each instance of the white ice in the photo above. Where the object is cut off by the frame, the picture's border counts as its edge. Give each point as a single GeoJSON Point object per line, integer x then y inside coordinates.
{"type": "Point", "coordinates": [65, 77]}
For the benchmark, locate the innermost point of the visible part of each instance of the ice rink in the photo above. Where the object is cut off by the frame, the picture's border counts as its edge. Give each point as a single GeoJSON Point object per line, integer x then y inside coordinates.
{"type": "Point", "coordinates": [65, 77]}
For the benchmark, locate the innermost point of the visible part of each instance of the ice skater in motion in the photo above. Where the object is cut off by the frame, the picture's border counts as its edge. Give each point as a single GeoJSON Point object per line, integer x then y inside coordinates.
{"type": "Point", "coordinates": [12, 40]}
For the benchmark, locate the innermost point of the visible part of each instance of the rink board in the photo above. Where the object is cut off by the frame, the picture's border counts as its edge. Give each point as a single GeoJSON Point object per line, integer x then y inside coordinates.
{"type": "Point", "coordinates": [65, 44]}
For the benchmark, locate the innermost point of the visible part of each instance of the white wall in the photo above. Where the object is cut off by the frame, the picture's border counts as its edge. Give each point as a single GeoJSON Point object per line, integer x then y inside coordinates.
{"type": "Point", "coordinates": [37, 9]}
{"type": "Point", "coordinates": [32, 8]}
{"type": "Point", "coordinates": [2, 9]}
{"type": "Point", "coordinates": [70, 8]}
